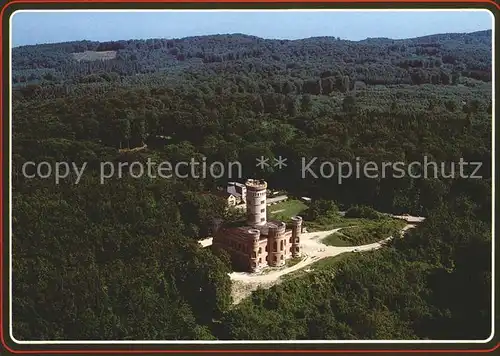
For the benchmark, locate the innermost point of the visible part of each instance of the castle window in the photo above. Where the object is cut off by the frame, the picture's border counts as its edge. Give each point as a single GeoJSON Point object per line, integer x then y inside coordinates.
{"type": "Point", "coordinates": [260, 250]}
{"type": "Point", "coordinates": [291, 239]}
{"type": "Point", "coordinates": [296, 249]}
{"type": "Point", "coordinates": [281, 257]}
{"type": "Point", "coordinates": [254, 255]}
{"type": "Point", "coordinates": [262, 210]}
{"type": "Point", "coordinates": [262, 201]}
{"type": "Point", "coordinates": [297, 240]}
{"type": "Point", "coordinates": [275, 246]}
{"type": "Point", "coordinates": [275, 258]}
{"type": "Point", "coordinates": [262, 219]}
{"type": "Point", "coordinates": [260, 260]}
{"type": "Point", "coordinates": [281, 245]}
{"type": "Point", "coordinates": [266, 248]}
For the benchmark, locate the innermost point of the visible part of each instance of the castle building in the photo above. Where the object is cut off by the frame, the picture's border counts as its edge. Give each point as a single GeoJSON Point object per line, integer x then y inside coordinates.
{"type": "Point", "coordinates": [238, 190]}
{"type": "Point", "coordinates": [235, 194]}
{"type": "Point", "coordinates": [259, 242]}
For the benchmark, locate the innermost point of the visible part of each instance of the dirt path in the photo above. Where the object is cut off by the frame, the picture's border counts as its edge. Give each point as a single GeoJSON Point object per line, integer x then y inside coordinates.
{"type": "Point", "coordinates": [277, 211]}
{"type": "Point", "coordinates": [134, 149]}
{"type": "Point", "coordinates": [313, 250]}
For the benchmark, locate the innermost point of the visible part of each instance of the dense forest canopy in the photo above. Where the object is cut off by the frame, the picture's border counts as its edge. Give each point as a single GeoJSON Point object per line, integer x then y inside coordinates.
{"type": "Point", "coordinates": [121, 260]}
{"type": "Point", "coordinates": [431, 59]}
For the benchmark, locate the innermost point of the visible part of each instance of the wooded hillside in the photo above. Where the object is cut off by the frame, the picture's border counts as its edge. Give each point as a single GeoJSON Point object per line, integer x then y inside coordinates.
{"type": "Point", "coordinates": [120, 260]}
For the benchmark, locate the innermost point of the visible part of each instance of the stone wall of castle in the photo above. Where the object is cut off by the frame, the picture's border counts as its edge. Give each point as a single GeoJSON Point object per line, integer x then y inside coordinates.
{"type": "Point", "coordinates": [276, 245]}
{"type": "Point", "coordinates": [261, 243]}
{"type": "Point", "coordinates": [256, 202]}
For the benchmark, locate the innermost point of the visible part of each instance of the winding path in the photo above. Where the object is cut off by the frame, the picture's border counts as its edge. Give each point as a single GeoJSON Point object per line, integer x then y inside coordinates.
{"type": "Point", "coordinates": [313, 250]}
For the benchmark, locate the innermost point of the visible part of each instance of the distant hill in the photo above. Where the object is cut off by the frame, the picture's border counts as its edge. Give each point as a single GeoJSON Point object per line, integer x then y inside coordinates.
{"type": "Point", "coordinates": [429, 59]}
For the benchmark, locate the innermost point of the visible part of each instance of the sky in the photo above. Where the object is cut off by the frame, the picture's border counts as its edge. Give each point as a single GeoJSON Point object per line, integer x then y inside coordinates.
{"type": "Point", "coordinates": [50, 27]}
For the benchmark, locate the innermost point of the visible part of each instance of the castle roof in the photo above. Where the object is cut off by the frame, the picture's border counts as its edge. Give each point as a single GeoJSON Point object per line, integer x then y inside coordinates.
{"type": "Point", "coordinates": [223, 194]}
{"type": "Point", "coordinates": [242, 231]}
{"type": "Point", "coordinates": [233, 191]}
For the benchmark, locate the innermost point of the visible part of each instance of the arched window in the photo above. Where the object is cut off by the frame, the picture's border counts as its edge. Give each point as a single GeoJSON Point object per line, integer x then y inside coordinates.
{"type": "Point", "coordinates": [281, 257]}
{"type": "Point", "coordinates": [275, 246]}
{"type": "Point", "coordinates": [260, 250]}
{"type": "Point", "coordinates": [275, 258]}
{"type": "Point", "coordinates": [281, 245]}
{"type": "Point", "coordinates": [254, 255]}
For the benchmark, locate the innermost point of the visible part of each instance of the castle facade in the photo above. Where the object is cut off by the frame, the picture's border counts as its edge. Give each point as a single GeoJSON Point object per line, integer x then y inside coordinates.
{"type": "Point", "coordinates": [259, 243]}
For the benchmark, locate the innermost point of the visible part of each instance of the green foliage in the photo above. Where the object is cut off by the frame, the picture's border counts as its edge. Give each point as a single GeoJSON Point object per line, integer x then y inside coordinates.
{"type": "Point", "coordinates": [285, 210]}
{"type": "Point", "coordinates": [362, 211]}
{"type": "Point", "coordinates": [337, 239]}
{"type": "Point", "coordinates": [344, 301]}
{"type": "Point", "coordinates": [109, 262]}
{"type": "Point", "coordinates": [323, 210]}
{"type": "Point", "coordinates": [405, 291]}
{"type": "Point", "coordinates": [436, 59]}
{"type": "Point", "coordinates": [120, 260]}
{"type": "Point", "coordinates": [198, 211]}
{"type": "Point", "coordinates": [363, 233]}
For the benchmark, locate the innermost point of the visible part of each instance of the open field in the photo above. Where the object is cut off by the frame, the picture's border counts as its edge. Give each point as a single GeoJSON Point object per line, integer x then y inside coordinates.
{"type": "Point", "coordinates": [285, 210]}
{"type": "Point", "coordinates": [94, 55]}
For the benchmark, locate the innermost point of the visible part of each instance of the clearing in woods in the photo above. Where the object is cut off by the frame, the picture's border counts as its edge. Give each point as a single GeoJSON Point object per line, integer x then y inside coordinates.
{"type": "Point", "coordinates": [94, 55]}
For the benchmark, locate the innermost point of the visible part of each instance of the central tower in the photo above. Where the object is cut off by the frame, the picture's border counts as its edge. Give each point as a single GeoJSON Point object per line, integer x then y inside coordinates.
{"type": "Point", "coordinates": [256, 202]}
